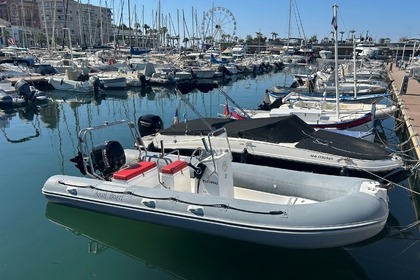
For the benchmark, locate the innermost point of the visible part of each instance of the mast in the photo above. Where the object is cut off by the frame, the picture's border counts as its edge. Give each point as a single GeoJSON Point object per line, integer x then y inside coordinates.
{"type": "Point", "coordinates": [46, 26]}
{"type": "Point", "coordinates": [23, 23]}
{"type": "Point", "coordinates": [89, 26]}
{"type": "Point", "coordinates": [335, 27]}
{"type": "Point", "coordinates": [100, 18]}
{"type": "Point", "coordinates": [129, 22]}
{"type": "Point", "coordinates": [179, 33]}
{"type": "Point", "coordinates": [288, 32]}
{"type": "Point", "coordinates": [53, 27]}
{"type": "Point", "coordinates": [354, 65]}
{"type": "Point", "coordinates": [142, 24]}
{"type": "Point", "coordinates": [80, 24]}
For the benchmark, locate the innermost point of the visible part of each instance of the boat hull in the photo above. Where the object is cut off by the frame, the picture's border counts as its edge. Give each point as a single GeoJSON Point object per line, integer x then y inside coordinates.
{"type": "Point", "coordinates": [288, 226]}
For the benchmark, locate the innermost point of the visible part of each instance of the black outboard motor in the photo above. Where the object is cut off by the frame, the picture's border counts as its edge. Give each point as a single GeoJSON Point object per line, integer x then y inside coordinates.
{"type": "Point", "coordinates": [5, 100]}
{"type": "Point", "coordinates": [24, 90]}
{"type": "Point", "coordinates": [143, 80]}
{"type": "Point", "coordinates": [149, 124]}
{"type": "Point", "coordinates": [97, 84]}
{"type": "Point", "coordinates": [108, 157]}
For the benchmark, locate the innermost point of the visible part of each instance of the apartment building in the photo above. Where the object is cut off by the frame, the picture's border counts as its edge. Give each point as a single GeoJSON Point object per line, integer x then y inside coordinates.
{"type": "Point", "coordinates": [34, 21]}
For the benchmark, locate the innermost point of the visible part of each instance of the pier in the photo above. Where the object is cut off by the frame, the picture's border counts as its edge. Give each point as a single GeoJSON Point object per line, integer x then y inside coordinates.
{"type": "Point", "coordinates": [407, 94]}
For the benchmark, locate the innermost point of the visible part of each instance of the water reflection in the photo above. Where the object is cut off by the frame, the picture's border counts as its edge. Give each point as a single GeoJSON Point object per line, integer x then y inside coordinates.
{"type": "Point", "coordinates": [191, 255]}
{"type": "Point", "coordinates": [28, 115]}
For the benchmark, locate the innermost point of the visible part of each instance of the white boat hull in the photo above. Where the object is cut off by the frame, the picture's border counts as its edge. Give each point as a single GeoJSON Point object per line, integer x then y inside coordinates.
{"type": "Point", "coordinates": [276, 220]}
{"type": "Point", "coordinates": [65, 84]}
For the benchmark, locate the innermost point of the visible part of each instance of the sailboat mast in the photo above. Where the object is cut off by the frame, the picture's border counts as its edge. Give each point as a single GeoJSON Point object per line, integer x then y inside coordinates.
{"type": "Point", "coordinates": [100, 18]}
{"type": "Point", "coordinates": [129, 22]}
{"type": "Point", "coordinates": [23, 24]}
{"type": "Point", "coordinates": [335, 26]}
{"type": "Point", "coordinates": [288, 32]}
{"type": "Point", "coordinates": [81, 41]}
{"type": "Point", "coordinates": [354, 65]}
{"type": "Point", "coordinates": [45, 26]}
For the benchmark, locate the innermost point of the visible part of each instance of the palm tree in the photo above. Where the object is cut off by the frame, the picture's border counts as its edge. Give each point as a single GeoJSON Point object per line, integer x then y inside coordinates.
{"type": "Point", "coordinates": [162, 31]}
{"type": "Point", "coordinates": [274, 35]}
{"type": "Point", "coordinates": [136, 28]}
{"type": "Point", "coordinates": [6, 36]}
{"type": "Point", "coordinates": [146, 32]}
{"type": "Point", "coordinates": [40, 39]}
{"type": "Point", "coordinates": [185, 41]}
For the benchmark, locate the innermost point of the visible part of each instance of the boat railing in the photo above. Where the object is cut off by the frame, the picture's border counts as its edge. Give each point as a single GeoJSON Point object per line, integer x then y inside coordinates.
{"type": "Point", "coordinates": [85, 149]}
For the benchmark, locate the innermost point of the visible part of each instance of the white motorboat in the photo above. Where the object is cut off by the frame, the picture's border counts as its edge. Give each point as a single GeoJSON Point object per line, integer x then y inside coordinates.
{"type": "Point", "coordinates": [379, 111]}
{"type": "Point", "coordinates": [64, 84]}
{"type": "Point", "coordinates": [207, 193]}
{"type": "Point", "coordinates": [112, 80]}
{"type": "Point", "coordinates": [286, 142]}
{"type": "Point", "coordinates": [315, 117]}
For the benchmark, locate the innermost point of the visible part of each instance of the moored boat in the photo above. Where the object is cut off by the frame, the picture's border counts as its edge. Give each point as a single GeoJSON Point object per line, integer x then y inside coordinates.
{"type": "Point", "coordinates": [285, 141]}
{"type": "Point", "coordinates": [207, 193]}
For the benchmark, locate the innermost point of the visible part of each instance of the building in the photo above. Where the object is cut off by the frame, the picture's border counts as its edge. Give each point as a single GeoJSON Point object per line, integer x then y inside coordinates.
{"type": "Point", "coordinates": [32, 22]}
{"type": "Point", "coordinates": [85, 24]}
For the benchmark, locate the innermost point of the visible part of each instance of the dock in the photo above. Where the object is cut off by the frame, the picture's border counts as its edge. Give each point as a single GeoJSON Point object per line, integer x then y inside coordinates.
{"type": "Point", "coordinates": [40, 82]}
{"type": "Point", "coordinates": [407, 94]}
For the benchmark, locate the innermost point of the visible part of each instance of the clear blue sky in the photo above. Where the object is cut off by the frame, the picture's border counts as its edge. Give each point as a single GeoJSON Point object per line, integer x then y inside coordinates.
{"type": "Point", "coordinates": [380, 18]}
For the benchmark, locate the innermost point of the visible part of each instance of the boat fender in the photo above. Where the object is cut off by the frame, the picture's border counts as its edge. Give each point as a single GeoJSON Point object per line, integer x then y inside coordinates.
{"type": "Point", "coordinates": [62, 80]}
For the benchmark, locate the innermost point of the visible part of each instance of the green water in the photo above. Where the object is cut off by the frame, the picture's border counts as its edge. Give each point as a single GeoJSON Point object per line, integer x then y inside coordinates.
{"type": "Point", "coordinates": [47, 241]}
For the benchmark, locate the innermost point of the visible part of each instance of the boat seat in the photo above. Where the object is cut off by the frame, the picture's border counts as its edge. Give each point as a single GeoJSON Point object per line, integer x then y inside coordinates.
{"type": "Point", "coordinates": [176, 176]}
{"type": "Point", "coordinates": [144, 174]}
{"type": "Point", "coordinates": [174, 167]}
{"type": "Point", "coordinates": [134, 170]}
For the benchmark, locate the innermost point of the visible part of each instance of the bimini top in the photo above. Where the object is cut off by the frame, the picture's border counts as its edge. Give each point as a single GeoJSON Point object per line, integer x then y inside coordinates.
{"type": "Point", "coordinates": [284, 129]}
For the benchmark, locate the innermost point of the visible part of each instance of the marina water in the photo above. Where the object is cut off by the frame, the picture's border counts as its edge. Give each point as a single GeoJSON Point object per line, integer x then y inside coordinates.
{"type": "Point", "coordinates": [47, 241]}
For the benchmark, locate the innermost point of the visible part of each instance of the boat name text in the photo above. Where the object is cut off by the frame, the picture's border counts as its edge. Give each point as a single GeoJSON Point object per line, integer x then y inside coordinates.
{"type": "Point", "coordinates": [322, 157]}
{"type": "Point", "coordinates": [111, 196]}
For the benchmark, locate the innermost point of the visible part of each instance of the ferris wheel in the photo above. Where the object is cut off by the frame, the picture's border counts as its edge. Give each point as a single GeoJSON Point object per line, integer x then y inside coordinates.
{"type": "Point", "coordinates": [219, 23]}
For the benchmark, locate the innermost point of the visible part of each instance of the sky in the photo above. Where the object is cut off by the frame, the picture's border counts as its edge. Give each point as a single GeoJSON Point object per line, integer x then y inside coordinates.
{"type": "Point", "coordinates": [376, 18]}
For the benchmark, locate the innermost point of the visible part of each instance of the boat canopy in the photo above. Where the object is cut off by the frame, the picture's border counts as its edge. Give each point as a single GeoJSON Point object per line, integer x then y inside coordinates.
{"type": "Point", "coordinates": [285, 129]}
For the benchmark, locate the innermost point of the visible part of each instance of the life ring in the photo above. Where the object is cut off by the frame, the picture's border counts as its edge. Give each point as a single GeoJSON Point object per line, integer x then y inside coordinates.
{"type": "Point", "coordinates": [111, 61]}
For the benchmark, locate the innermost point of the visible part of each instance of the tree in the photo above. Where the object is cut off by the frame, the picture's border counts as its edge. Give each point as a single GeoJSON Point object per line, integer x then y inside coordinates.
{"type": "Point", "coordinates": [162, 31]}
{"type": "Point", "coordinates": [313, 39]}
{"type": "Point", "coordinates": [185, 41]}
{"type": "Point", "coordinates": [248, 38]}
{"type": "Point", "coordinates": [6, 36]}
{"type": "Point", "coordinates": [40, 39]}
{"type": "Point", "coordinates": [274, 35]}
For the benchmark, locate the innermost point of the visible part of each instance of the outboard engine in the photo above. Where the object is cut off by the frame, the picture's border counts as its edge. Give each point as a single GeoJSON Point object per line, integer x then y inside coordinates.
{"type": "Point", "coordinates": [143, 80]}
{"type": "Point", "coordinates": [108, 157]}
{"type": "Point", "coordinates": [149, 124]}
{"type": "Point", "coordinates": [5, 99]}
{"type": "Point", "coordinates": [23, 89]}
{"type": "Point", "coordinates": [97, 84]}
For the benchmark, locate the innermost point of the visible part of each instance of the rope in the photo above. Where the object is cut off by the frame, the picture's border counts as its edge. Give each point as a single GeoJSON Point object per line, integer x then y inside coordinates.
{"type": "Point", "coordinates": [175, 199]}
{"type": "Point", "coordinates": [391, 183]}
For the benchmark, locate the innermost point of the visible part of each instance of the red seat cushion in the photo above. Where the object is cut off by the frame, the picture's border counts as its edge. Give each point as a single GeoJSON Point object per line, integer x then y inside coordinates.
{"type": "Point", "coordinates": [174, 167]}
{"type": "Point", "coordinates": [134, 170]}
